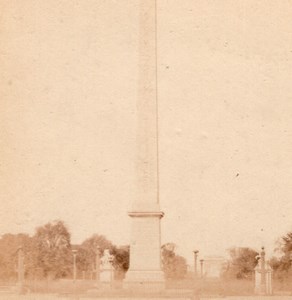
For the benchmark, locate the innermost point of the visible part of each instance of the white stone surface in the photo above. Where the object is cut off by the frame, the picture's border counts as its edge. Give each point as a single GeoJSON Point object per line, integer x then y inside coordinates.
{"type": "Point", "coordinates": [213, 266]}
{"type": "Point", "coordinates": [145, 261]}
{"type": "Point", "coordinates": [106, 276]}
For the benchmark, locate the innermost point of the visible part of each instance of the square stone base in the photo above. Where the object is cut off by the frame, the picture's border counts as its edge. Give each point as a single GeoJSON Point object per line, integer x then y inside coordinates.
{"type": "Point", "coordinates": [148, 281]}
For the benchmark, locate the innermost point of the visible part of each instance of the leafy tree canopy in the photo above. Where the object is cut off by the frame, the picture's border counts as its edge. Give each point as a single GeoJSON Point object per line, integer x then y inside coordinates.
{"type": "Point", "coordinates": [241, 263]}
{"type": "Point", "coordinates": [173, 265]}
{"type": "Point", "coordinates": [9, 245]}
{"type": "Point", "coordinates": [53, 250]}
{"type": "Point", "coordinates": [282, 265]}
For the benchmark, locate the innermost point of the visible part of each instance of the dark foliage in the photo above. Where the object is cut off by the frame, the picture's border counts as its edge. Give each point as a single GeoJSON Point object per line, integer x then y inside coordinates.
{"type": "Point", "coordinates": [52, 250]}
{"type": "Point", "coordinates": [241, 263]}
{"type": "Point", "coordinates": [282, 266]}
{"type": "Point", "coordinates": [9, 245]}
{"type": "Point", "coordinates": [174, 266]}
{"type": "Point", "coordinates": [121, 261]}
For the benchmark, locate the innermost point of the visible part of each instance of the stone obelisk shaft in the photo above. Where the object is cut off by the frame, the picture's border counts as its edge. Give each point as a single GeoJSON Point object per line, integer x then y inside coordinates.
{"type": "Point", "coordinates": [145, 265]}
{"type": "Point", "coordinates": [147, 133]}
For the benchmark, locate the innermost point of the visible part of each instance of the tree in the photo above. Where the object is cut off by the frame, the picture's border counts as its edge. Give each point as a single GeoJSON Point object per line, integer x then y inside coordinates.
{"type": "Point", "coordinates": [173, 265]}
{"type": "Point", "coordinates": [9, 245]}
{"type": "Point", "coordinates": [53, 250]}
{"type": "Point", "coordinates": [282, 265]}
{"type": "Point", "coordinates": [87, 251]}
{"type": "Point", "coordinates": [241, 263]}
{"type": "Point", "coordinates": [121, 261]}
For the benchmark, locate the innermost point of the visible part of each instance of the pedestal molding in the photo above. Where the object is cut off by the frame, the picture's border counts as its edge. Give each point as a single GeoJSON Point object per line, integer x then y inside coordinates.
{"type": "Point", "coordinates": [139, 214]}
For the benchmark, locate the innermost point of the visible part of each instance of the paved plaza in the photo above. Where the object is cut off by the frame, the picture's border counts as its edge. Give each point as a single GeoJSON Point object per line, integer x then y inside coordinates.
{"type": "Point", "coordinates": [56, 297]}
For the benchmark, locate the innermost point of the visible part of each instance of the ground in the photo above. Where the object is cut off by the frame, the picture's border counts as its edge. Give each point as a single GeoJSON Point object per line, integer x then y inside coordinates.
{"type": "Point", "coordinates": [55, 297]}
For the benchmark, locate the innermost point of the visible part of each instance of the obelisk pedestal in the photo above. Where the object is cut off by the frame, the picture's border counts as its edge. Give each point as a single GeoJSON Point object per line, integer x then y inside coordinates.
{"type": "Point", "coordinates": [145, 249]}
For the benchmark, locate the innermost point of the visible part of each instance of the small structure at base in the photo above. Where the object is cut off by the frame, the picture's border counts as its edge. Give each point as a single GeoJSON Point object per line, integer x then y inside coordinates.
{"type": "Point", "coordinates": [213, 266]}
{"type": "Point", "coordinates": [106, 274]}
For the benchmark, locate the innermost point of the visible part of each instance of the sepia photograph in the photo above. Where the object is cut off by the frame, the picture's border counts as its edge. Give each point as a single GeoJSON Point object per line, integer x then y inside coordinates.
{"type": "Point", "coordinates": [145, 149]}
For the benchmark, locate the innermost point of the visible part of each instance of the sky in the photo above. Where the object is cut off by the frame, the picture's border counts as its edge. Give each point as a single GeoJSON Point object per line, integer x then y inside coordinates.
{"type": "Point", "coordinates": [68, 88]}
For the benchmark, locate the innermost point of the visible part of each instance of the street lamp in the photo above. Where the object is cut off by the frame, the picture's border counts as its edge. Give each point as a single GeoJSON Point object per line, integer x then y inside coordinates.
{"type": "Point", "coordinates": [111, 259]}
{"type": "Point", "coordinates": [74, 264]}
{"type": "Point", "coordinates": [263, 270]}
{"type": "Point", "coordinates": [195, 262]}
{"type": "Point", "coordinates": [20, 269]}
{"type": "Point", "coordinates": [201, 262]}
{"type": "Point", "coordinates": [97, 265]}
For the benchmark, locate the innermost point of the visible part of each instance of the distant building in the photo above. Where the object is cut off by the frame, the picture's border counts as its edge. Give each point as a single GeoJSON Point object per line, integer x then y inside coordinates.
{"type": "Point", "coordinates": [213, 266]}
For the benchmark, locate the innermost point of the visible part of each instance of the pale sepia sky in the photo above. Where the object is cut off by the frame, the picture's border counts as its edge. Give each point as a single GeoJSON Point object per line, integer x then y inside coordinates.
{"type": "Point", "coordinates": [68, 89]}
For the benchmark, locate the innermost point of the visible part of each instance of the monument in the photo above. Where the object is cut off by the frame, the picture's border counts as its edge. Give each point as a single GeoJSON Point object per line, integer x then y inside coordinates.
{"type": "Point", "coordinates": [106, 274]}
{"type": "Point", "coordinates": [145, 261]}
{"type": "Point", "coordinates": [263, 276]}
{"type": "Point", "coordinates": [213, 266]}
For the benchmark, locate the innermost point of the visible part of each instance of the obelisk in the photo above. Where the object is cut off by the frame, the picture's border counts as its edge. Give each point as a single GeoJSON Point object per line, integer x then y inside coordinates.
{"type": "Point", "coordinates": [145, 248]}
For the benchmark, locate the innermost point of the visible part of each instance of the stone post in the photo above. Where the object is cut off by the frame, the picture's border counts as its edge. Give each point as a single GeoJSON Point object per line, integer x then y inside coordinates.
{"type": "Point", "coordinates": [263, 271]}
{"type": "Point", "coordinates": [202, 267]}
{"type": "Point", "coordinates": [257, 278]}
{"type": "Point", "coordinates": [196, 252]}
{"type": "Point", "coordinates": [97, 266]}
{"type": "Point", "coordinates": [74, 265]}
{"type": "Point", "coordinates": [20, 269]}
{"type": "Point", "coordinates": [269, 287]}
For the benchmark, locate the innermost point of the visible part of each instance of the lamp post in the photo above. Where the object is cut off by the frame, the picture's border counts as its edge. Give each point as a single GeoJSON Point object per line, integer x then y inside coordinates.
{"type": "Point", "coordinates": [195, 262]}
{"type": "Point", "coordinates": [97, 265]}
{"type": "Point", "coordinates": [202, 265]}
{"type": "Point", "coordinates": [263, 271]}
{"type": "Point", "coordinates": [263, 275]}
{"type": "Point", "coordinates": [74, 265]}
{"type": "Point", "coordinates": [111, 259]}
{"type": "Point", "coordinates": [20, 269]}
